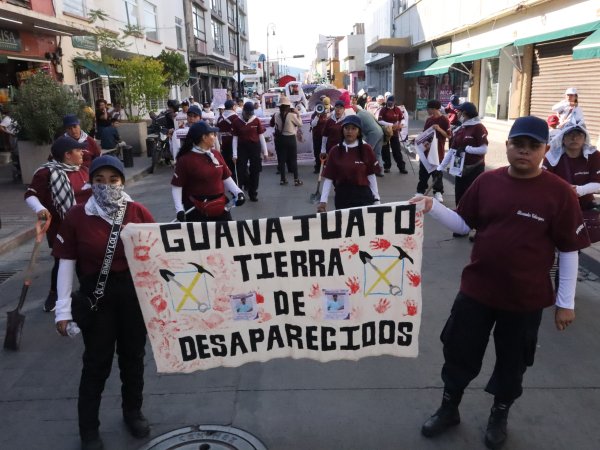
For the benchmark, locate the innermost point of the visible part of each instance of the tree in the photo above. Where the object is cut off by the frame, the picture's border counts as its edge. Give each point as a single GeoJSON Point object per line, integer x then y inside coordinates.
{"type": "Point", "coordinates": [143, 80]}
{"type": "Point", "coordinates": [175, 68]}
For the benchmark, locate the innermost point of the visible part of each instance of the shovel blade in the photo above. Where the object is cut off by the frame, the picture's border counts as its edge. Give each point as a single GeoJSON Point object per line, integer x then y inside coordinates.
{"type": "Point", "coordinates": [315, 198]}
{"type": "Point", "coordinates": [14, 330]}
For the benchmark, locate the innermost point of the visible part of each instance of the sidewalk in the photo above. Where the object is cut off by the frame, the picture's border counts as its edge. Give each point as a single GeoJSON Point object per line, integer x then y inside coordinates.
{"type": "Point", "coordinates": [18, 220]}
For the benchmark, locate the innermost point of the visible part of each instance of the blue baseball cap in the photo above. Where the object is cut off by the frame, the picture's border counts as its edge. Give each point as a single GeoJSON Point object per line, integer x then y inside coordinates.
{"type": "Point", "coordinates": [352, 120]}
{"type": "Point", "coordinates": [229, 104]}
{"type": "Point", "coordinates": [194, 110]}
{"type": "Point", "coordinates": [199, 129]}
{"type": "Point", "coordinates": [248, 107]}
{"type": "Point", "coordinates": [70, 119]}
{"type": "Point", "coordinates": [530, 126]}
{"type": "Point", "coordinates": [468, 108]}
{"type": "Point", "coordinates": [107, 161]}
{"type": "Point", "coordinates": [63, 145]}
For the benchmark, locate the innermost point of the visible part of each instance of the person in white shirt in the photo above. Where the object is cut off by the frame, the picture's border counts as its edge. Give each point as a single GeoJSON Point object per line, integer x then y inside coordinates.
{"type": "Point", "coordinates": [568, 110]}
{"type": "Point", "coordinates": [207, 115]}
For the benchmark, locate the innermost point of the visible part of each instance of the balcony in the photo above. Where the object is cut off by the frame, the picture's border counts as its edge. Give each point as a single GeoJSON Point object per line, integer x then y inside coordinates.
{"type": "Point", "coordinates": [220, 49]}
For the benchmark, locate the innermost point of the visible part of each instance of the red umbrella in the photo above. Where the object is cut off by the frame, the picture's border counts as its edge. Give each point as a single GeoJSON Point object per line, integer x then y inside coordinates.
{"type": "Point", "coordinates": [285, 80]}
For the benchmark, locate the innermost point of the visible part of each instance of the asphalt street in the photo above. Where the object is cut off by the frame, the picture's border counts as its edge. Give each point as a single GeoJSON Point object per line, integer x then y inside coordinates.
{"type": "Point", "coordinates": [373, 403]}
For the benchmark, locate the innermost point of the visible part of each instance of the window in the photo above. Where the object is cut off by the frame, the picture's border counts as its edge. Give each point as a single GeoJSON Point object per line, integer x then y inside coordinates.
{"type": "Point", "coordinates": [231, 13]}
{"type": "Point", "coordinates": [179, 32]}
{"type": "Point", "coordinates": [198, 22]}
{"type": "Point", "coordinates": [242, 19]}
{"type": "Point", "coordinates": [23, 3]}
{"type": "Point", "coordinates": [131, 11]}
{"type": "Point", "coordinates": [232, 43]}
{"type": "Point", "coordinates": [150, 23]}
{"type": "Point", "coordinates": [217, 30]}
{"type": "Point", "coordinates": [76, 7]}
{"type": "Point", "coordinates": [244, 54]}
{"type": "Point", "coordinates": [216, 7]}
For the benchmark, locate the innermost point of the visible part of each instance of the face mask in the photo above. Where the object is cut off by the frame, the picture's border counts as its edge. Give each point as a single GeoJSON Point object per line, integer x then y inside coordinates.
{"type": "Point", "coordinates": [108, 196]}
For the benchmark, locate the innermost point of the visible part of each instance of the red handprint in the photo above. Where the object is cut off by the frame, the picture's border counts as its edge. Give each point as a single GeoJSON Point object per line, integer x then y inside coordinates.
{"type": "Point", "coordinates": [352, 249]}
{"type": "Point", "coordinates": [260, 298]}
{"type": "Point", "coordinates": [146, 279]}
{"type": "Point", "coordinates": [353, 284]}
{"type": "Point", "coordinates": [380, 244]}
{"type": "Point", "coordinates": [382, 305]}
{"type": "Point", "coordinates": [411, 308]}
{"type": "Point", "coordinates": [141, 249]}
{"type": "Point", "coordinates": [315, 291]}
{"type": "Point", "coordinates": [413, 278]}
{"type": "Point", "coordinates": [410, 243]}
{"type": "Point", "coordinates": [159, 303]}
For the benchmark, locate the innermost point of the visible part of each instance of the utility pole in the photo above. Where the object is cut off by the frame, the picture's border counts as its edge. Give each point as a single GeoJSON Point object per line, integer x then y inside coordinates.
{"type": "Point", "coordinates": [239, 68]}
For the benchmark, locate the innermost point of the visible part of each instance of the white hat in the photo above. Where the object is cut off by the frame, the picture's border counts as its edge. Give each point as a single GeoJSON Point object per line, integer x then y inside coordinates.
{"type": "Point", "coordinates": [571, 91]}
{"type": "Point", "coordinates": [379, 97]}
{"type": "Point", "coordinates": [221, 106]}
{"type": "Point", "coordinates": [387, 94]}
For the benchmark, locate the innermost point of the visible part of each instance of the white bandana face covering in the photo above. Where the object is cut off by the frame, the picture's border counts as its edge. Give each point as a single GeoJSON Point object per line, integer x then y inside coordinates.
{"type": "Point", "coordinates": [108, 196]}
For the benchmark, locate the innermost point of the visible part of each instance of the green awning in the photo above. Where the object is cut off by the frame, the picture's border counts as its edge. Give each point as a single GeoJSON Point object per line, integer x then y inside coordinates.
{"type": "Point", "coordinates": [487, 52]}
{"type": "Point", "coordinates": [98, 67]}
{"type": "Point", "coordinates": [588, 48]}
{"type": "Point", "coordinates": [416, 70]}
{"type": "Point", "coordinates": [559, 34]}
{"type": "Point", "coordinates": [442, 65]}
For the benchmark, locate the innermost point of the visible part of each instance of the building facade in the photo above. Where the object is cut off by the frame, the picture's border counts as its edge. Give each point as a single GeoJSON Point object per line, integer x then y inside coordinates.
{"type": "Point", "coordinates": [352, 59]}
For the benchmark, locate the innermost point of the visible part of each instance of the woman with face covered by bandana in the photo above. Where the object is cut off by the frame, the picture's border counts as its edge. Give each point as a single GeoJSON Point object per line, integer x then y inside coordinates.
{"type": "Point", "coordinates": [82, 241]}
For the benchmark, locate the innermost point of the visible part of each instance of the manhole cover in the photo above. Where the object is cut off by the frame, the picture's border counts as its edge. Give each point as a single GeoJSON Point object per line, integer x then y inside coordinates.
{"type": "Point", "coordinates": [205, 437]}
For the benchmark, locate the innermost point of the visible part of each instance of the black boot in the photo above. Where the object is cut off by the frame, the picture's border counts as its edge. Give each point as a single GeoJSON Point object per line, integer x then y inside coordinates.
{"type": "Point", "coordinates": [136, 423]}
{"type": "Point", "coordinates": [495, 434]}
{"type": "Point", "coordinates": [445, 417]}
{"type": "Point", "coordinates": [90, 440]}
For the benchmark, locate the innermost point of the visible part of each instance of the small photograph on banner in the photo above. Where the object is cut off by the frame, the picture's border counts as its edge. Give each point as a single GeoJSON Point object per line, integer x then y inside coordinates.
{"type": "Point", "coordinates": [456, 164]}
{"type": "Point", "coordinates": [336, 304]}
{"type": "Point", "coordinates": [244, 306]}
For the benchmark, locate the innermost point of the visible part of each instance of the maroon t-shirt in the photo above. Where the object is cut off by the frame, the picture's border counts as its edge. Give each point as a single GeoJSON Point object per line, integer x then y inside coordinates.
{"type": "Point", "coordinates": [578, 171]}
{"type": "Point", "coordinates": [347, 167]}
{"type": "Point", "coordinates": [333, 132]}
{"type": "Point", "coordinates": [473, 135]}
{"type": "Point", "coordinates": [248, 132]}
{"type": "Point", "coordinates": [391, 115]}
{"type": "Point", "coordinates": [443, 123]}
{"type": "Point", "coordinates": [225, 126]}
{"type": "Point", "coordinates": [519, 224]}
{"type": "Point", "coordinates": [92, 150]}
{"type": "Point", "coordinates": [84, 238]}
{"type": "Point", "coordinates": [198, 175]}
{"type": "Point", "coordinates": [318, 129]}
{"type": "Point", "coordinates": [40, 187]}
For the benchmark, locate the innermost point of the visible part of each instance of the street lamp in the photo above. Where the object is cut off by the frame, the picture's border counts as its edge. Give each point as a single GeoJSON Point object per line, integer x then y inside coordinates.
{"type": "Point", "coordinates": [271, 27]}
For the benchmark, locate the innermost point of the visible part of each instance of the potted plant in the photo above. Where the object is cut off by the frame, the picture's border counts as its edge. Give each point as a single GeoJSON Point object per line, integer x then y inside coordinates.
{"type": "Point", "coordinates": [40, 105]}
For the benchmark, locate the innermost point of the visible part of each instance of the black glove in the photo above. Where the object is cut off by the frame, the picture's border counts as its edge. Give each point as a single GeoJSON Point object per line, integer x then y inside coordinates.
{"type": "Point", "coordinates": [241, 199]}
{"type": "Point", "coordinates": [181, 216]}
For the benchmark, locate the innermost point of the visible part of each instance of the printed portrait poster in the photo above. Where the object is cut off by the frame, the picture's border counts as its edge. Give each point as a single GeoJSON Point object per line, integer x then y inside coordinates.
{"type": "Point", "coordinates": [339, 285]}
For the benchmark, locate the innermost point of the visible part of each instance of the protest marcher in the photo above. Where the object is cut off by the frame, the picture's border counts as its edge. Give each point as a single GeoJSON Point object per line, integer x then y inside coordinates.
{"type": "Point", "coordinates": [318, 120]}
{"type": "Point", "coordinates": [332, 132]}
{"type": "Point", "coordinates": [350, 168]}
{"type": "Point", "coordinates": [192, 102]}
{"type": "Point", "coordinates": [391, 116]}
{"type": "Point", "coordinates": [372, 134]}
{"type": "Point", "coordinates": [521, 213]}
{"type": "Point", "coordinates": [468, 141]}
{"type": "Point", "coordinates": [286, 122]}
{"type": "Point", "coordinates": [451, 111]}
{"type": "Point", "coordinates": [207, 115]}
{"type": "Point", "coordinates": [441, 126]}
{"type": "Point", "coordinates": [225, 126]}
{"type": "Point", "coordinates": [193, 116]}
{"type": "Point", "coordinates": [572, 158]}
{"type": "Point", "coordinates": [73, 129]}
{"type": "Point", "coordinates": [568, 110]}
{"type": "Point", "coordinates": [55, 188]}
{"type": "Point", "coordinates": [83, 241]}
{"type": "Point", "coordinates": [202, 178]}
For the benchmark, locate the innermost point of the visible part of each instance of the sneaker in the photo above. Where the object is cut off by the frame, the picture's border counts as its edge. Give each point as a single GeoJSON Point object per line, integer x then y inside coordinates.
{"type": "Point", "coordinates": [380, 175]}
{"type": "Point", "coordinates": [439, 197]}
{"type": "Point", "coordinates": [136, 423]}
{"type": "Point", "coordinates": [50, 303]}
{"type": "Point", "coordinates": [403, 171]}
{"type": "Point", "coordinates": [386, 170]}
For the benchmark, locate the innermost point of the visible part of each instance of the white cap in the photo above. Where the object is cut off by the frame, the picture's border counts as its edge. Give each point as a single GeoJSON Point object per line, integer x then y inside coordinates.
{"type": "Point", "coordinates": [221, 106]}
{"type": "Point", "coordinates": [387, 94]}
{"type": "Point", "coordinates": [379, 97]}
{"type": "Point", "coordinates": [571, 91]}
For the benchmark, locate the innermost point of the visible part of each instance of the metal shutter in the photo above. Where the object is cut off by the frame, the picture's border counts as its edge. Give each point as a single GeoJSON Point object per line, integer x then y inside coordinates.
{"type": "Point", "coordinates": [554, 70]}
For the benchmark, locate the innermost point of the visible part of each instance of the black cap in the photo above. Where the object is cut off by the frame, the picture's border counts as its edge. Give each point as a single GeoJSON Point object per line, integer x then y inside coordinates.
{"type": "Point", "coordinates": [107, 161]}
{"type": "Point", "coordinates": [468, 108]}
{"type": "Point", "coordinates": [531, 126]}
{"type": "Point", "coordinates": [199, 129]}
{"type": "Point", "coordinates": [63, 145]}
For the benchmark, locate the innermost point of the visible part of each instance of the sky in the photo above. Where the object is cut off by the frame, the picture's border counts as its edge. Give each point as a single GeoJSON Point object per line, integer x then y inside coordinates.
{"type": "Point", "coordinates": [298, 25]}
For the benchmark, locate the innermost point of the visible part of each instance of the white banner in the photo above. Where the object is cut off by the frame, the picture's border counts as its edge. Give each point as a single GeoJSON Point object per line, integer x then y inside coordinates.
{"type": "Point", "coordinates": [340, 285]}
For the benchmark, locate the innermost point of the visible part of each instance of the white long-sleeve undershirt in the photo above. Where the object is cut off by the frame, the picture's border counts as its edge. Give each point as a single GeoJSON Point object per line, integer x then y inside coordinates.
{"type": "Point", "coordinates": [64, 285]}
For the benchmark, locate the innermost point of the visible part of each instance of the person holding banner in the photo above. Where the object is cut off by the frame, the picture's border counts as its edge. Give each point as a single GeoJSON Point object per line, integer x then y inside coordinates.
{"type": "Point", "coordinates": [225, 126]}
{"type": "Point", "coordinates": [351, 167]}
{"type": "Point", "coordinates": [441, 127]}
{"type": "Point", "coordinates": [201, 179]}
{"type": "Point", "coordinates": [194, 115]}
{"type": "Point", "coordinates": [522, 214]}
{"type": "Point", "coordinates": [118, 322]}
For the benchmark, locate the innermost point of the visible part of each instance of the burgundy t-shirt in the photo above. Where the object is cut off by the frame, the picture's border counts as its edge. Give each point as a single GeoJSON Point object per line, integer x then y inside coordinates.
{"type": "Point", "coordinates": [519, 224]}
{"type": "Point", "coordinates": [475, 136]}
{"type": "Point", "coordinates": [444, 124]}
{"type": "Point", "coordinates": [318, 129]}
{"type": "Point", "coordinates": [225, 125]}
{"type": "Point", "coordinates": [333, 132]}
{"type": "Point", "coordinates": [248, 132]}
{"type": "Point", "coordinates": [578, 171]}
{"type": "Point", "coordinates": [84, 238]}
{"type": "Point", "coordinates": [92, 150]}
{"type": "Point", "coordinates": [40, 187]}
{"type": "Point", "coordinates": [391, 115]}
{"type": "Point", "coordinates": [347, 167]}
{"type": "Point", "coordinates": [198, 175]}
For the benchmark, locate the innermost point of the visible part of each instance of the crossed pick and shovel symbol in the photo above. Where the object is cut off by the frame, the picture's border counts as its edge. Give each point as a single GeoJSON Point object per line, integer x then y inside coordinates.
{"type": "Point", "coordinates": [366, 258]}
{"type": "Point", "coordinates": [170, 277]}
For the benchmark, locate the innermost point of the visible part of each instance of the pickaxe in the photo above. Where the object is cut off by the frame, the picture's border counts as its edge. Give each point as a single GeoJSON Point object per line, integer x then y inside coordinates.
{"type": "Point", "coordinates": [366, 258]}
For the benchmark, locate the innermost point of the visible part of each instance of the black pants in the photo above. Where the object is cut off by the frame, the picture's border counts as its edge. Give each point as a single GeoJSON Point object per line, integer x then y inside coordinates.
{"type": "Point", "coordinates": [117, 323]}
{"type": "Point", "coordinates": [465, 337]}
{"type": "Point", "coordinates": [461, 184]}
{"type": "Point", "coordinates": [249, 153]}
{"type": "Point", "coordinates": [227, 153]}
{"type": "Point", "coordinates": [436, 175]}
{"type": "Point", "coordinates": [350, 196]}
{"type": "Point", "coordinates": [317, 141]}
{"type": "Point", "coordinates": [196, 216]}
{"type": "Point", "coordinates": [396, 153]}
{"type": "Point", "coordinates": [287, 155]}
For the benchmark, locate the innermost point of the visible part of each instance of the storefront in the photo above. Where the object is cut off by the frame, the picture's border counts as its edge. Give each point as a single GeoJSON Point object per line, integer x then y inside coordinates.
{"type": "Point", "coordinates": [211, 73]}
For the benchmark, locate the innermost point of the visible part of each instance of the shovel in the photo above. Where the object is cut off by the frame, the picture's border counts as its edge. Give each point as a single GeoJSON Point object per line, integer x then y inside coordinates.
{"type": "Point", "coordinates": [15, 320]}
{"type": "Point", "coordinates": [316, 197]}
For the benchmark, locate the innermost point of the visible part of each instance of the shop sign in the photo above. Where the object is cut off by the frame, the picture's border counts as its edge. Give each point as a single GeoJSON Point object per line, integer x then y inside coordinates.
{"type": "Point", "coordinates": [85, 42]}
{"type": "Point", "coordinates": [10, 40]}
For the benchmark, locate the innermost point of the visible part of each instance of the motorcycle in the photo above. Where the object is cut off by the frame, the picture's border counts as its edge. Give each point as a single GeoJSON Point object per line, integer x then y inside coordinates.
{"type": "Point", "coordinates": [158, 138]}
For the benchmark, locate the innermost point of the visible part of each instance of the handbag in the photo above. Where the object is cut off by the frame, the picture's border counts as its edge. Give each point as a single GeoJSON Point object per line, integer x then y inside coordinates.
{"type": "Point", "coordinates": [210, 207]}
{"type": "Point", "coordinates": [83, 306]}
